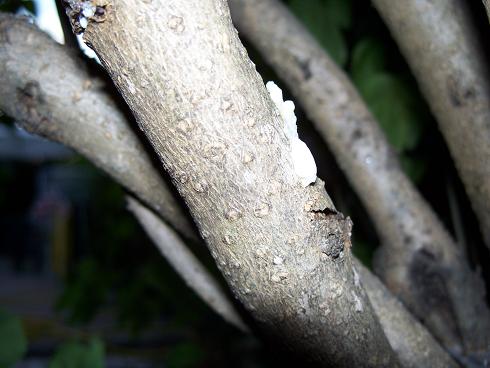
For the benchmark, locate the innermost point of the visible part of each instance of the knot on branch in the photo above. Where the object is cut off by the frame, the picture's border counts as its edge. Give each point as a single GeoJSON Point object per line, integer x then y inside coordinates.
{"type": "Point", "coordinates": [32, 115]}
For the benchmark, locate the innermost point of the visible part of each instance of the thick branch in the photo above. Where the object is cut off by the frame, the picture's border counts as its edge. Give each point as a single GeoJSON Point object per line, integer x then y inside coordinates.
{"type": "Point", "coordinates": [283, 248]}
{"type": "Point", "coordinates": [419, 261]}
{"type": "Point", "coordinates": [412, 344]}
{"type": "Point", "coordinates": [440, 44]}
{"type": "Point", "coordinates": [195, 275]}
{"type": "Point", "coordinates": [50, 92]}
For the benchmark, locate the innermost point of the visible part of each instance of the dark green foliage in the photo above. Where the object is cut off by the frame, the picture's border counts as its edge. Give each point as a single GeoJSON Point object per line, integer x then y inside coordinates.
{"type": "Point", "coordinates": [326, 20]}
{"type": "Point", "coordinates": [13, 343]}
{"type": "Point", "coordinates": [393, 100]}
{"type": "Point", "coordinates": [79, 355]}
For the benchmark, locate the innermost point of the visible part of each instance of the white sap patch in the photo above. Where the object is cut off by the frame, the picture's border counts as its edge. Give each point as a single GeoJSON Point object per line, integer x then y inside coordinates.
{"type": "Point", "coordinates": [303, 161]}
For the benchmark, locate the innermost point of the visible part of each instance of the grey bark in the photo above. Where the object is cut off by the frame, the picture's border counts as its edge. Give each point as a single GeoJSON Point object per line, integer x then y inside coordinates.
{"type": "Point", "coordinates": [50, 92]}
{"type": "Point", "coordinates": [412, 344]}
{"type": "Point", "coordinates": [440, 45]}
{"type": "Point", "coordinates": [194, 274]}
{"type": "Point", "coordinates": [418, 261]}
{"type": "Point", "coordinates": [283, 249]}
{"type": "Point", "coordinates": [487, 7]}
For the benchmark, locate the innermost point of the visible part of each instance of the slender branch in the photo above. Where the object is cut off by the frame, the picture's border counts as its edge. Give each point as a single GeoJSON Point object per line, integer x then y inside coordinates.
{"type": "Point", "coordinates": [283, 248]}
{"type": "Point", "coordinates": [487, 7]}
{"type": "Point", "coordinates": [440, 45]}
{"type": "Point", "coordinates": [187, 266]}
{"type": "Point", "coordinates": [419, 261]}
{"type": "Point", "coordinates": [50, 92]}
{"type": "Point", "coordinates": [413, 344]}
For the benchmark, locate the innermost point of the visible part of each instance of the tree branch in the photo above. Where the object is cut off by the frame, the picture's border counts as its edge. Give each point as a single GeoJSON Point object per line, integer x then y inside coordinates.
{"type": "Point", "coordinates": [413, 344]}
{"type": "Point", "coordinates": [419, 261]}
{"type": "Point", "coordinates": [440, 45]}
{"type": "Point", "coordinates": [407, 337]}
{"type": "Point", "coordinates": [187, 266]}
{"type": "Point", "coordinates": [50, 92]}
{"type": "Point", "coordinates": [283, 249]}
{"type": "Point", "coordinates": [487, 7]}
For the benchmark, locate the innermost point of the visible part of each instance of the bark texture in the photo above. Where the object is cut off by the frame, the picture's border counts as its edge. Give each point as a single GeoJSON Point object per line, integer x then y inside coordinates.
{"type": "Point", "coordinates": [440, 44]}
{"type": "Point", "coordinates": [413, 344]}
{"type": "Point", "coordinates": [283, 249]}
{"type": "Point", "coordinates": [418, 261]}
{"type": "Point", "coordinates": [50, 92]}
{"type": "Point", "coordinates": [194, 274]}
{"type": "Point", "coordinates": [487, 7]}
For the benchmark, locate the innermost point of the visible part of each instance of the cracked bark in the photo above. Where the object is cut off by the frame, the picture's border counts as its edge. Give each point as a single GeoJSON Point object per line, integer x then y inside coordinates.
{"type": "Point", "coordinates": [50, 92]}
{"type": "Point", "coordinates": [440, 44]}
{"type": "Point", "coordinates": [184, 73]}
{"type": "Point", "coordinates": [413, 345]}
{"type": "Point", "coordinates": [418, 261]}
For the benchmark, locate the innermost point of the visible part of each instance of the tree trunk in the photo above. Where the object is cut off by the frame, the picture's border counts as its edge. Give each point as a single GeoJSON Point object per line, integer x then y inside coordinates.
{"type": "Point", "coordinates": [418, 260]}
{"type": "Point", "coordinates": [283, 248]}
{"type": "Point", "coordinates": [413, 345]}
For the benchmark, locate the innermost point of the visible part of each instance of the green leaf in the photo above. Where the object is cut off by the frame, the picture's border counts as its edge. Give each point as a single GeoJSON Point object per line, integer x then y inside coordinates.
{"type": "Point", "coordinates": [394, 104]}
{"type": "Point", "coordinates": [368, 57]}
{"type": "Point", "coordinates": [326, 19]}
{"type": "Point", "coordinates": [13, 343]}
{"type": "Point", "coordinates": [78, 355]}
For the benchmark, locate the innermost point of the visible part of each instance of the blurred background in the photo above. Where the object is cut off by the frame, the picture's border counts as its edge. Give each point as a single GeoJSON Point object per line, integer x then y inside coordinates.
{"type": "Point", "coordinates": [81, 285]}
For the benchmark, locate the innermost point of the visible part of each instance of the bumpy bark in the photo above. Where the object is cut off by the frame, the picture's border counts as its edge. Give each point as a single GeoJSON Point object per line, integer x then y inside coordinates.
{"type": "Point", "coordinates": [440, 44]}
{"type": "Point", "coordinates": [419, 261]}
{"type": "Point", "coordinates": [412, 344]}
{"type": "Point", "coordinates": [194, 274]}
{"type": "Point", "coordinates": [50, 92]}
{"type": "Point", "coordinates": [283, 249]}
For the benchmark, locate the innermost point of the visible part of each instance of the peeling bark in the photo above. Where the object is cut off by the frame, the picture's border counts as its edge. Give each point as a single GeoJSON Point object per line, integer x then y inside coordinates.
{"type": "Point", "coordinates": [418, 261]}
{"type": "Point", "coordinates": [187, 266]}
{"type": "Point", "coordinates": [184, 73]}
{"type": "Point", "coordinates": [440, 44]}
{"type": "Point", "coordinates": [50, 92]}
